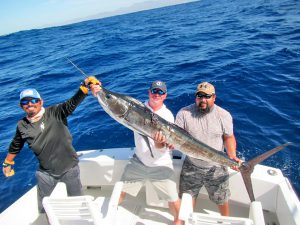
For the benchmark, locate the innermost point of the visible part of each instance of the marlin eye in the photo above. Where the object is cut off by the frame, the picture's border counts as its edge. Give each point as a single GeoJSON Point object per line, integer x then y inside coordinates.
{"type": "Point", "coordinates": [108, 96]}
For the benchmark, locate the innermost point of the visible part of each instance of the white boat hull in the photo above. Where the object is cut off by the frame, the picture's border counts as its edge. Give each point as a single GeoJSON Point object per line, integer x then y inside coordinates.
{"type": "Point", "coordinates": [101, 169]}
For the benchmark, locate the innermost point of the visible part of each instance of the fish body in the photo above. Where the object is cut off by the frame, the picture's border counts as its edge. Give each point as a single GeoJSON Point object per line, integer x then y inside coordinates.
{"type": "Point", "coordinates": [136, 116]}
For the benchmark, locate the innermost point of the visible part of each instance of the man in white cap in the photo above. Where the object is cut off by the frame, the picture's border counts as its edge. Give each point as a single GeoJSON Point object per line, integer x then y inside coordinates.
{"type": "Point", "coordinates": [46, 133]}
{"type": "Point", "coordinates": [213, 126]}
{"type": "Point", "coordinates": [152, 160]}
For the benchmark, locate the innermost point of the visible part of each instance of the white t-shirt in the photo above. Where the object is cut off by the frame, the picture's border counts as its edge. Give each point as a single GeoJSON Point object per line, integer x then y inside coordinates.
{"type": "Point", "coordinates": [161, 156]}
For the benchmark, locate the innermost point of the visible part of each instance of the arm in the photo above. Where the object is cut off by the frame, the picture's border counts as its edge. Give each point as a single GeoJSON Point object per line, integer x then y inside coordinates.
{"type": "Point", "coordinates": [230, 146]}
{"type": "Point", "coordinates": [10, 157]}
{"type": "Point", "coordinates": [14, 148]}
{"type": "Point", "coordinates": [160, 140]}
{"type": "Point", "coordinates": [69, 106]}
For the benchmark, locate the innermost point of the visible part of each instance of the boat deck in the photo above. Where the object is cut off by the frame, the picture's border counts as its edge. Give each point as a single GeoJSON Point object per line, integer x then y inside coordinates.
{"type": "Point", "coordinates": [136, 211]}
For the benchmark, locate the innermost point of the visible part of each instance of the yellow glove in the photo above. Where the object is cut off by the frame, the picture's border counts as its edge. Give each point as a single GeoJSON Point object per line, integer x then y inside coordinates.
{"type": "Point", "coordinates": [92, 80]}
{"type": "Point", "coordinates": [7, 170]}
{"type": "Point", "coordinates": [87, 82]}
{"type": "Point", "coordinates": [84, 89]}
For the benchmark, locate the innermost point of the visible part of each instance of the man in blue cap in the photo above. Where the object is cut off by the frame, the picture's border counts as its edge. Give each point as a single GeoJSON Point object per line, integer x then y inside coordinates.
{"type": "Point", "coordinates": [46, 133]}
{"type": "Point", "coordinates": [152, 160]}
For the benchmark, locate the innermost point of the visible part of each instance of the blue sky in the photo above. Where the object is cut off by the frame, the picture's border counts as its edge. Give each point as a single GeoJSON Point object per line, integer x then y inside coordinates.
{"type": "Point", "coordinates": [19, 15]}
{"type": "Point", "coordinates": [16, 15]}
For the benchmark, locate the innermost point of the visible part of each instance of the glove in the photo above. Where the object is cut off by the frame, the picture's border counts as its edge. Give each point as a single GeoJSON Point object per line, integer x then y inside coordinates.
{"type": "Point", "coordinates": [84, 89]}
{"type": "Point", "coordinates": [87, 82]}
{"type": "Point", "coordinates": [7, 170]}
{"type": "Point", "coordinates": [92, 80]}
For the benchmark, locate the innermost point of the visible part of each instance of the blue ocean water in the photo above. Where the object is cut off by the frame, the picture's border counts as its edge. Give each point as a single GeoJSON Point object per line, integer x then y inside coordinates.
{"type": "Point", "coordinates": [250, 51]}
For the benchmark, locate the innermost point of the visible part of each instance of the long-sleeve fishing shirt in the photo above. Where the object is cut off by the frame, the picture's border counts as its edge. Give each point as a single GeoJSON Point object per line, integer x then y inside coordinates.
{"type": "Point", "coordinates": [49, 138]}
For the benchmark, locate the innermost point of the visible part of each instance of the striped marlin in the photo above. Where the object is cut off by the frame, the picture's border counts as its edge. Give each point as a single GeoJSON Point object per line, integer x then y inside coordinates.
{"type": "Point", "coordinates": [134, 115]}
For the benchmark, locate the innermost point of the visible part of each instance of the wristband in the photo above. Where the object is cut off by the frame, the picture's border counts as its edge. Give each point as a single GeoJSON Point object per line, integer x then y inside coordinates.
{"type": "Point", "coordinates": [7, 163]}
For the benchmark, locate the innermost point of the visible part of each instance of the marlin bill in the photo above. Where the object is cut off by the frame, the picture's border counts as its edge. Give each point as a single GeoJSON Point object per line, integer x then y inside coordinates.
{"type": "Point", "coordinates": [136, 116]}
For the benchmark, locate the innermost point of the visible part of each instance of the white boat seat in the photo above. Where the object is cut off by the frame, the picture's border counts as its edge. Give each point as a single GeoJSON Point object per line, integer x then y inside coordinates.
{"type": "Point", "coordinates": [64, 210]}
{"type": "Point", "coordinates": [256, 213]}
{"type": "Point", "coordinates": [192, 218]}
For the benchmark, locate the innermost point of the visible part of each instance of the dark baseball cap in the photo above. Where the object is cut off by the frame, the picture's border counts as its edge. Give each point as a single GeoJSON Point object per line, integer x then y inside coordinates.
{"type": "Point", "coordinates": [159, 85]}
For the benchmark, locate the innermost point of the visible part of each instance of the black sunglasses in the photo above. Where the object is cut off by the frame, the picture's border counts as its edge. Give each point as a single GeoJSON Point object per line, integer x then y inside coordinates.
{"type": "Point", "coordinates": [26, 101]}
{"type": "Point", "coordinates": [157, 91]}
{"type": "Point", "coordinates": [206, 96]}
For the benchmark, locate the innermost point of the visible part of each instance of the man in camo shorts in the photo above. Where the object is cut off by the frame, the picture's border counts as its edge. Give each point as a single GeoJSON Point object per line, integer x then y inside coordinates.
{"type": "Point", "coordinates": [213, 126]}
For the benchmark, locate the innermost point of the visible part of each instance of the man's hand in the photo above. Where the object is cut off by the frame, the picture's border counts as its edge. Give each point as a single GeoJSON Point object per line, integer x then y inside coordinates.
{"type": "Point", "coordinates": [91, 82]}
{"type": "Point", "coordinates": [160, 141]}
{"type": "Point", "coordinates": [95, 89]}
{"type": "Point", "coordinates": [159, 137]}
{"type": "Point", "coordinates": [239, 161]}
{"type": "Point", "coordinates": [6, 169]}
{"type": "Point", "coordinates": [94, 85]}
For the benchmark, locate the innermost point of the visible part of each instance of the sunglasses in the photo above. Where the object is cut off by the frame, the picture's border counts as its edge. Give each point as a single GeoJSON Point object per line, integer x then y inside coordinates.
{"type": "Point", "coordinates": [206, 96]}
{"type": "Point", "coordinates": [26, 101]}
{"type": "Point", "coordinates": [157, 91]}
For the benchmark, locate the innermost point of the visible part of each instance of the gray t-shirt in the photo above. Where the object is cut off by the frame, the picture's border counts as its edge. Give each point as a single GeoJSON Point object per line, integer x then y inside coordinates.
{"type": "Point", "coordinates": [209, 128]}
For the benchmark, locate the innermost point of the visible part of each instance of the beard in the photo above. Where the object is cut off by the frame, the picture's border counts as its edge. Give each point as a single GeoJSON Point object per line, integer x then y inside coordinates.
{"type": "Point", "coordinates": [203, 110]}
{"type": "Point", "coordinates": [31, 111]}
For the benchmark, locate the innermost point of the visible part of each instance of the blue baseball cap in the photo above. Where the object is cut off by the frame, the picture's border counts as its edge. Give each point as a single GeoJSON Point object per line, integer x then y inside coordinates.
{"type": "Point", "coordinates": [31, 92]}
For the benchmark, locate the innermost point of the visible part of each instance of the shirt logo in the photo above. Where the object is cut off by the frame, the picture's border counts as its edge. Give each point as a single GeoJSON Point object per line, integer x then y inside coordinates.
{"type": "Point", "coordinates": [42, 126]}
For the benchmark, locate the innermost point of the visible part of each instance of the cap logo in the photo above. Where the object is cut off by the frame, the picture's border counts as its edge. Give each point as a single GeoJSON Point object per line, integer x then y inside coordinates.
{"type": "Point", "coordinates": [206, 88]}
{"type": "Point", "coordinates": [159, 83]}
{"type": "Point", "coordinates": [28, 92]}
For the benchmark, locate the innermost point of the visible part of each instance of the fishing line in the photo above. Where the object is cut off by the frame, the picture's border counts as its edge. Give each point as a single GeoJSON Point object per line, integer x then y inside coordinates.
{"type": "Point", "coordinates": [83, 73]}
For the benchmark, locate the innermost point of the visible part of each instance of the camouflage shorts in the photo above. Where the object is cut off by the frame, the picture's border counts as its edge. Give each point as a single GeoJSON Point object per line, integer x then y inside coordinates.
{"type": "Point", "coordinates": [215, 179]}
